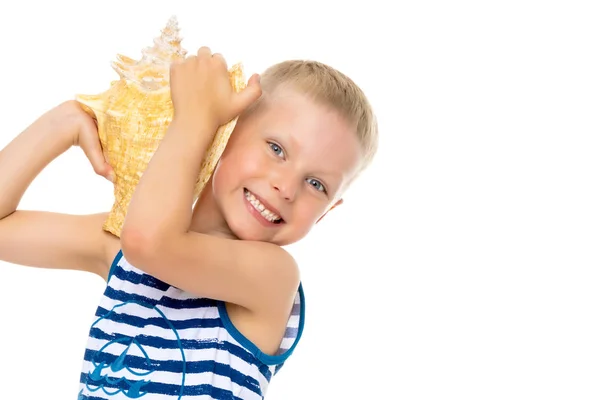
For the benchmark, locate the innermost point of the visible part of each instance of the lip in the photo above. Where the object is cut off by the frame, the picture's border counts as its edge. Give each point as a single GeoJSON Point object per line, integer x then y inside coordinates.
{"type": "Point", "coordinates": [258, 215]}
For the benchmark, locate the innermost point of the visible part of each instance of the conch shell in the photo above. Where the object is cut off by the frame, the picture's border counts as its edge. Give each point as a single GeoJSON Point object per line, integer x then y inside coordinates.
{"type": "Point", "coordinates": [134, 113]}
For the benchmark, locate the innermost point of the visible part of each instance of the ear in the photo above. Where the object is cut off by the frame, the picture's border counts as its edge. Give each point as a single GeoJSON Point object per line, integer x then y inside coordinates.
{"type": "Point", "coordinates": [337, 203]}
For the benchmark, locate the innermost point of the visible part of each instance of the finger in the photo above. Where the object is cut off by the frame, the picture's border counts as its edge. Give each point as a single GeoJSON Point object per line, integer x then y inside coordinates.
{"type": "Point", "coordinates": [204, 51]}
{"type": "Point", "coordinates": [219, 57]}
{"type": "Point", "coordinates": [176, 65]}
{"type": "Point", "coordinates": [248, 95]}
{"type": "Point", "coordinates": [93, 151]}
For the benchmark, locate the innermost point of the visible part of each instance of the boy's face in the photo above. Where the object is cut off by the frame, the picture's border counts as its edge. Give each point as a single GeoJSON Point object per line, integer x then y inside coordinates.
{"type": "Point", "coordinates": [284, 167]}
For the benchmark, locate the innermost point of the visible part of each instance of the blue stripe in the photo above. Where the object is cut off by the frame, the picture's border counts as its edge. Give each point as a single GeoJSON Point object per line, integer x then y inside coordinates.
{"type": "Point", "coordinates": [265, 371]}
{"type": "Point", "coordinates": [187, 344]}
{"type": "Point", "coordinates": [143, 279]}
{"type": "Point", "coordinates": [120, 295]}
{"type": "Point", "coordinates": [278, 367]}
{"type": "Point", "coordinates": [290, 333]}
{"type": "Point", "coordinates": [296, 309]}
{"type": "Point", "coordinates": [191, 367]}
{"type": "Point", "coordinates": [140, 322]}
{"type": "Point", "coordinates": [197, 302]}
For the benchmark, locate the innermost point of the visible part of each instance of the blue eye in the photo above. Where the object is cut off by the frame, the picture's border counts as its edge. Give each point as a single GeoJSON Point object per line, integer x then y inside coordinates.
{"type": "Point", "coordinates": [276, 149]}
{"type": "Point", "coordinates": [316, 184]}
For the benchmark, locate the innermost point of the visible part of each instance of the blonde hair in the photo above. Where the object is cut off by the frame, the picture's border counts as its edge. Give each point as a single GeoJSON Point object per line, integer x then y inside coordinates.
{"type": "Point", "coordinates": [329, 87]}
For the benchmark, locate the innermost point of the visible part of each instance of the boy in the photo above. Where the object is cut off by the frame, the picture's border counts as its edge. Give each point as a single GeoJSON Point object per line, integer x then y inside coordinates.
{"type": "Point", "coordinates": [201, 300]}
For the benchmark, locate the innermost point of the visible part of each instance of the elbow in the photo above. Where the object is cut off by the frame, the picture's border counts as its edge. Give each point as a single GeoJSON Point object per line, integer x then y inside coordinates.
{"type": "Point", "coordinates": [7, 214]}
{"type": "Point", "coordinates": [146, 249]}
{"type": "Point", "coordinates": [137, 246]}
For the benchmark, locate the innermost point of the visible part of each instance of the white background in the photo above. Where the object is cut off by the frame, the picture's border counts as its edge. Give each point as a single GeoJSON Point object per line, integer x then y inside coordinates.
{"type": "Point", "coordinates": [463, 265]}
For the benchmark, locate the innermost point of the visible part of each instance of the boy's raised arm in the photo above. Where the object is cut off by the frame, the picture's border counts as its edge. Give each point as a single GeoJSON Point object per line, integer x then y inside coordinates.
{"type": "Point", "coordinates": [45, 239]}
{"type": "Point", "coordinates": [258, 276]}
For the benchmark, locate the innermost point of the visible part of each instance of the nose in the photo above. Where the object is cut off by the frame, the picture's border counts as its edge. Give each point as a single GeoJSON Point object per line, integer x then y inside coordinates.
{"type": "Point", "coordinates": [285, 186]}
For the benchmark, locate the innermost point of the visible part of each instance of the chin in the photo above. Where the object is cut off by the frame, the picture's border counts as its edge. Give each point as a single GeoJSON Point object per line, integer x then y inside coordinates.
{"type": "Point", "coordinates": [243, 231]}
{"type": "Point", "coordinates": [259, 234]}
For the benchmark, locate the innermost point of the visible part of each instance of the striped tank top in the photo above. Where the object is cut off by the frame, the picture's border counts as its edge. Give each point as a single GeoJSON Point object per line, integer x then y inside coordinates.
{"type": "Point", "coordinates": [153, 341]}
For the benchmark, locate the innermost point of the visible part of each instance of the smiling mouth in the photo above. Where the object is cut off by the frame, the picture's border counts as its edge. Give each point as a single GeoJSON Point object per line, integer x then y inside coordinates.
{"type": "Point", "coordinates": [262, 210]}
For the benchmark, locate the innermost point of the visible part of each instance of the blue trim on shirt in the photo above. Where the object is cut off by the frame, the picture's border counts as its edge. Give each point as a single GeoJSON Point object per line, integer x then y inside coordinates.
{"type": "Point", "coordinates": [244, 341]}
{"type": "Point", "coordinates": [114, 264]}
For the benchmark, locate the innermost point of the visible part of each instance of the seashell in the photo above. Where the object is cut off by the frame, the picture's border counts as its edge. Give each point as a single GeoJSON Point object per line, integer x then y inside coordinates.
{"type": "Point", "coordinates": [134, 113]}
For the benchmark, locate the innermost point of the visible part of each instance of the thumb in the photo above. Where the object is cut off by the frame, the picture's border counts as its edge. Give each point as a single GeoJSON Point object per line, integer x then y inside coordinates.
{"type": "Point", "coordinates": [249, 94]}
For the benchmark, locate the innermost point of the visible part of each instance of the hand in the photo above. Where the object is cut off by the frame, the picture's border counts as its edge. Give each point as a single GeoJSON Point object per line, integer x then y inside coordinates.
{"type": "Point", "coordinates": [84, 132]}
{"type": "Point", "coordinates": [200, 90]}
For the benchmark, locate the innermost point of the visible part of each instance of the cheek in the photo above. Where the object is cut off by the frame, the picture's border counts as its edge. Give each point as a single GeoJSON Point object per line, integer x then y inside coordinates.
{"type": "Point", "coordinates": [309, 209]}
{"type": "Point", "coordinates": [238, 165]}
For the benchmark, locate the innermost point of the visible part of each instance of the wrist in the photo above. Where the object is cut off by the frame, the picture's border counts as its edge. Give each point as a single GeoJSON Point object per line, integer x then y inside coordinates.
{"type": "Point", "coordinates": [198, 120]}
{"type": "Point", "coordinates": [65, 123]}
{"type": "Point", "coordinates": [60, 124]}
{"type": "Point", "coordinates": [194, 127]}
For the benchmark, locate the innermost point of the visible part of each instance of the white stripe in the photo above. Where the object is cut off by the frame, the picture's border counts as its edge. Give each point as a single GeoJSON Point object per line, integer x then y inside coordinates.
{"type": "Point", "coordinates": [111, 327]}
{"type": "Point", "coordinates": [293, 321]}
{"type": "Point", "coordinates": [136, 288]}
{"type": "Point", "coordinates": [245, 394]}
{"type": "Point", "coordinates": [263, 382]}
{"type": "Point", "coordinates": [286, 343]}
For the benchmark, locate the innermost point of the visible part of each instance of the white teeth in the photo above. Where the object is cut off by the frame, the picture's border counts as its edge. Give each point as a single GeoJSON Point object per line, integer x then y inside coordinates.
{"type": "Point", "coordinates": [265, 212]}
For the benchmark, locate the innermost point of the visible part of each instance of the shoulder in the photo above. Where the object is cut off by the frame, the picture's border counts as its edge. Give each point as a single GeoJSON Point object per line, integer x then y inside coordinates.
{"type": "Point", "coordinates": [270, 270]}
{"type": "Point", "coordinates": [279, 267]}
{"type": "Point", "coordinates": [270, 256]}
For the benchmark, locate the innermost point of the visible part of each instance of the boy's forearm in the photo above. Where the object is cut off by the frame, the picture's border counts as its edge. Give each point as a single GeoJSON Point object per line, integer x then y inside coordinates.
{"type": "Point", "coordinates": [26, 156]}
{"type": "Point", "coordinates": [163, 199]}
